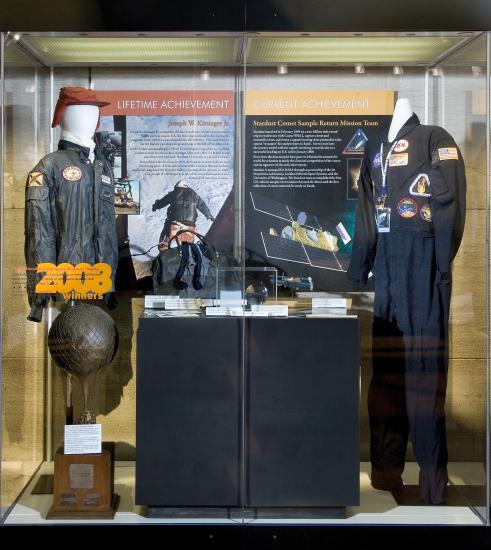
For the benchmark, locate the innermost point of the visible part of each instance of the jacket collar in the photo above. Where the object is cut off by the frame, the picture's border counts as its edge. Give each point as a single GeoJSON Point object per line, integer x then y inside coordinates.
{"type": "Point", "coordinates": [408, 126]}
{"type": "Point", "coordinates": [65, 145]}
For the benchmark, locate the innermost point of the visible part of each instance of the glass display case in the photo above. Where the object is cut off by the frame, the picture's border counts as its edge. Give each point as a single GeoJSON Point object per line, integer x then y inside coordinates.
{"type": "Point", "coordinates": [301, 298]}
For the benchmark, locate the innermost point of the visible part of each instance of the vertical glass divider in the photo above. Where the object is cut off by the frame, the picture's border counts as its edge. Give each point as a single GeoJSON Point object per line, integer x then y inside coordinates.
{"type": "Point", "coordinates": [51, 106]}
{"type": "Point", "coordinates": [2, 122]}
{"type": "Point", "coordinates": [49, 362]}
{"type": "Point", "coordinates": [244, 366]}
{"type": "Point", "coordinates": [48, 444]}
{"type": "Point", "coordinates": [427, 95]}
{"type": "Point", "coordinates": [488, 266]}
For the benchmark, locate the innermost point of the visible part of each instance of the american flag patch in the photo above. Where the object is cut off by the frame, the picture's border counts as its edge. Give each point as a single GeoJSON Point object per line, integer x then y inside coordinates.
{"type": "Point", "coordinates": [448, 153]}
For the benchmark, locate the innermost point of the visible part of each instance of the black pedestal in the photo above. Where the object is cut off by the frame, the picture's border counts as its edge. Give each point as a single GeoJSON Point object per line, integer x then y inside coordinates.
{"type": "Point", "coordinates": [302, 413]}
{"type": "Point", "coordinates": [188, 424]}
{"type": "Point", "coordinates": [260, 413]}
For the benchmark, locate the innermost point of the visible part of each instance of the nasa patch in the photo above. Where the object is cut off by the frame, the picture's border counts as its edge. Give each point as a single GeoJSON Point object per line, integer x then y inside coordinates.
{"type": "Point", "coordinates": [407, 208]}
{"type": "Point", "coordinates": [72, 173]}
{"type": "Point", "coordinates": [401, 145]}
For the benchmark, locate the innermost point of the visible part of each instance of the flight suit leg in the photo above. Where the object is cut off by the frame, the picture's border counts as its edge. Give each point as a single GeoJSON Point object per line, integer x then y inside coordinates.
{"type": "Point", "coordinates": [387, 406]}
{"type": "Point", "coordinates": [423, 317]}
{"type": "Point", "coordinates": [426, 383]}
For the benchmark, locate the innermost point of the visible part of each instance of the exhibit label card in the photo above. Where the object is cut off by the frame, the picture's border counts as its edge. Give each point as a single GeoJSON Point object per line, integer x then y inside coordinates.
{"type": "Point", "coordinates": [83, 439]}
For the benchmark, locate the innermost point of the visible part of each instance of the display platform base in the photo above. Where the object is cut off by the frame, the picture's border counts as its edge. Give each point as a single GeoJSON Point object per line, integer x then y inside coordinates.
{"type": "Point", "coordinates": [88, 514]}
{"type": "Point", "coordinates": [331, 512]}
{"type": "Point", "coordinates": [176, 512]}
{"type": "Point", "coordinates": [238, 513]}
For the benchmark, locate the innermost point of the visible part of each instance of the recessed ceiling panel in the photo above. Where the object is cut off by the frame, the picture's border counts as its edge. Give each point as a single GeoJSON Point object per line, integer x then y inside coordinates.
{"type": "Point", "coordinates": [348, 50]}
{"type": "Point", "coordinates": [93, 50]}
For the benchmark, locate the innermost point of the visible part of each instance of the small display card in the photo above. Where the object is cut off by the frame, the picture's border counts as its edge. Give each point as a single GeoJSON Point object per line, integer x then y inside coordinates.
{"type": "Point", "coordinates": [83, 439]}
{"type": "Point", "coordinates": [329, 302]}
{"type": "Point", "coordinates": [270, 310]}
{"type": "Point", "coordinates": [223, 311]}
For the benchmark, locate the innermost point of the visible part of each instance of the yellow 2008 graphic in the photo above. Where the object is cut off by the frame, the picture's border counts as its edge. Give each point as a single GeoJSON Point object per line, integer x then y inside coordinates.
{"type": "Point", "coordinates": [82, 279]}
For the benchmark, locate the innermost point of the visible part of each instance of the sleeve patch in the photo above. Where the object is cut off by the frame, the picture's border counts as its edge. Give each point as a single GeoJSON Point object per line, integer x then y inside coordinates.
{"type": "Point", "coordinates": [448, 153]}
{"type": "Point", "coordinates": [35, 179]}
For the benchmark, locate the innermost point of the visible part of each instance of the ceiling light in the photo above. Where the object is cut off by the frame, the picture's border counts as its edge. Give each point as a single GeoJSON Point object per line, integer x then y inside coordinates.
{"type": "Point", "coordinates": [359, 68]}
{"type": "Point", "coordinates": [397, 70]}
{"type": "Point", "coordinates": [204, 74]}
{"type": "Point", "coordinates": [282, 69]}
{"type": "Point", "coordinates": [435, 71]}
{"type": "Point", "coordinates": [16, 36]}
{"type": "Point", "coordinates": [201, 51]}
{"type": "Point", "coordinates": [350, 50]}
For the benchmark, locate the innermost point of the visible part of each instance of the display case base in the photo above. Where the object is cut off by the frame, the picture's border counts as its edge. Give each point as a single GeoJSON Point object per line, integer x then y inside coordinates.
{"type": "Point", "coordinates": [249, 514]}
{"type": "Point", "coordinates": [331, 512]}
{"type": "Point", "coordinates": [208, 512]}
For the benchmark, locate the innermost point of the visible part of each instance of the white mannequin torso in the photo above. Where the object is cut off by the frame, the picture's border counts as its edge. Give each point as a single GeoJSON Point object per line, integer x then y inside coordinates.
{"type": "Point", "coordinates": [402, 113]}
{"type": "Point", "coordinates": [78, 125]}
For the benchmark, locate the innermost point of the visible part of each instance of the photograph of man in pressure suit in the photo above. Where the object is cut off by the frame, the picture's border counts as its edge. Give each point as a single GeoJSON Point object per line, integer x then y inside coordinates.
{"type": "Point", "coordinates": [184, 204]}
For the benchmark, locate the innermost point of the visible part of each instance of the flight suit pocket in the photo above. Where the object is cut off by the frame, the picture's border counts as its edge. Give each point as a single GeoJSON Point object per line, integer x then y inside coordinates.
{"type": "Point", "coordinates": [37, 193]}
{"type": "Point", "coordinates": [106, 193]}
{"type": "Point", "coordinates": [106, 205]}
{"type": "Point", "coordinates": [440, 190]}
{"type": "Point", "coordinates": [38, 219]}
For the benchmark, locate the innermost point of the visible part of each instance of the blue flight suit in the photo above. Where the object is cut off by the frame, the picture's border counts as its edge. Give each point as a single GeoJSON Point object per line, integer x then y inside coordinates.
{"type": "Point", "coordinates": [411, 263]}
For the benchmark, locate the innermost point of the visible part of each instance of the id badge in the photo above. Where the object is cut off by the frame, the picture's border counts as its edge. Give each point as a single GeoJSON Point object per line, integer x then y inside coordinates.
{"type": "Point", "coordinates": [382, 219]}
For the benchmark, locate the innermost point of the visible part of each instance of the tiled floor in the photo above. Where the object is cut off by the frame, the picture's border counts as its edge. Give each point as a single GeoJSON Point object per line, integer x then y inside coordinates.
{"type": "Point", "coordinates": [376, 507]}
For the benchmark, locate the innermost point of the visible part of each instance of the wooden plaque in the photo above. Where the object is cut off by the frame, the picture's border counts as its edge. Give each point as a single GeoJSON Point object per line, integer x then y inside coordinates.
{"type": "Point", "coordinates": [84, 486]}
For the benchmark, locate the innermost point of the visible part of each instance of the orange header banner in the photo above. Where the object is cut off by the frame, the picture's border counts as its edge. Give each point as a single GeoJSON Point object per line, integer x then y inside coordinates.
{"type": "Point", "coordinates": [319, 102]}
{"type": "Point", "coordinates": [179, 102]}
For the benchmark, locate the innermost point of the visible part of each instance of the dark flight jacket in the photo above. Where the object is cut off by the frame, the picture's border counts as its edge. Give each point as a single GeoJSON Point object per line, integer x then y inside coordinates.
{"type": "Point", "coordinates": [184, 205]}
{"type": "Point", "coordinates": [426, 189]}
{"type": "Point", "coordinates": [69, 215]}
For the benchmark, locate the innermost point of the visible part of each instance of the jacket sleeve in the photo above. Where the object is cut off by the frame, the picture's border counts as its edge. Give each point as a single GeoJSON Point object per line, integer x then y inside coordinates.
{"type": "Point", "coordinates": [448, 198]}
{"type": "Point", "coordinates": [163, 202]}
{"type": "Point", "coordinates": [365, 239]}
{"type": "Point", "coordinates": [203, 207]}
{"type": "Point", "coordinates": [40, 234]}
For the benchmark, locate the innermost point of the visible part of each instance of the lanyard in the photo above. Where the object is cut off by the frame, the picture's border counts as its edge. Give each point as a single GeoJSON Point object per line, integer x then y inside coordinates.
{"type": "Point", "coordinates": [384, 165]}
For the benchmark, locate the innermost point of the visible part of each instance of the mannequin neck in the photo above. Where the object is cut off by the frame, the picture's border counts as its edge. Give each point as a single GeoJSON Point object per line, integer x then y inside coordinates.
{"type": "Point", "coordinates": [84, 141]}
{"type": "Point", "coordinates": [402, 113]}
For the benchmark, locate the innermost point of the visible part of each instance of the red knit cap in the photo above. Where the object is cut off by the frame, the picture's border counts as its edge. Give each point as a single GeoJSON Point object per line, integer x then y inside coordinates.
{"type": "Point", "coordinates": [74, 96]}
